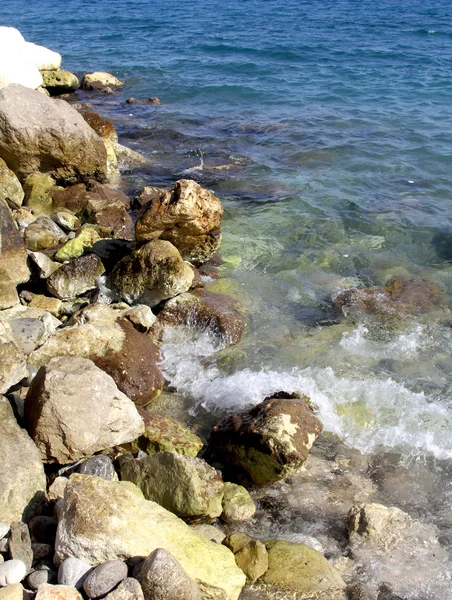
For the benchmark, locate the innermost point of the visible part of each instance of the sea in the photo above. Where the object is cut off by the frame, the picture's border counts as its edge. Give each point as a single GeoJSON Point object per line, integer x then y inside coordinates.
{"type": "Point", "coordinates": [325, 127]}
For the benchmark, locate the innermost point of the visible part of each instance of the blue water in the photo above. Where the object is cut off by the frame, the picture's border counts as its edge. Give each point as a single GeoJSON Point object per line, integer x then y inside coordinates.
{"type": "Point", "coordinates": [325, 126]}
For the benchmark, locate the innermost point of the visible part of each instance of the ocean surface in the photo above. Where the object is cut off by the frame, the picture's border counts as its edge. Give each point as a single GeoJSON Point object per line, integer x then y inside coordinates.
{"type": "Point", "coordinates": [325, 127]}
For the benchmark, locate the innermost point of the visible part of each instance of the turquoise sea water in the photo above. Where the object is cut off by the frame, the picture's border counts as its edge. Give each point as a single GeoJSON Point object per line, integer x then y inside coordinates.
{"type": "Point", "coordinates": [325, 127]}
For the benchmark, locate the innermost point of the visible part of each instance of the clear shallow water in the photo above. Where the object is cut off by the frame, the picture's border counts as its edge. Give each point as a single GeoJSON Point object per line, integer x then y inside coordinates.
{"type": "Point", "coordinates": [325, 128]}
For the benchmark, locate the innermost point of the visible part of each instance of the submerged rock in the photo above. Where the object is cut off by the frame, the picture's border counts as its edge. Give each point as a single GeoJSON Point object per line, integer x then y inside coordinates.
{"type": "Point", "coordinates": [104, 416]}
{"type": "Point", "coordinates": [267, 443]}
{"type": "Point", "coordinates": [188, 216]}
{"type": "Point", "coordinates": [104, 520]}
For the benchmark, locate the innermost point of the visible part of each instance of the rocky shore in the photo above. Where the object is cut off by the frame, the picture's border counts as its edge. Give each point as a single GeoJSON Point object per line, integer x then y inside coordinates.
{"type": "Point", "coordinates": [100, 495]}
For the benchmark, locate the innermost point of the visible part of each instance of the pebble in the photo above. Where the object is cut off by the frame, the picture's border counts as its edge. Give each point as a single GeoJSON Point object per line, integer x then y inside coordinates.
{"type": "Point", "coordinates": [36, 578]}
{"type": "Point", "coordinates": [104, 578]}
{"type": "Point", "coordinates": [41, 550]}
{"type": "Point", "coordinates": [98, 466]}
{"type": "Point", "coordinates": [20, 544]}
{"type": "Point", "coordinates": [56, 490]}
{"type": "Point", "coordinates": [43, 529]}
{"type": "Point", "coordinates": [129, 589]}
{"type": "Point", "coordinates": [12, 571]}
{"type": "Point", "coordinates": [73, 571]}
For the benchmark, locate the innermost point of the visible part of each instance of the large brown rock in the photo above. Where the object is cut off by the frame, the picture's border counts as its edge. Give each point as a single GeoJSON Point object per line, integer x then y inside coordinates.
{"type": "Point", "coordinates": [73, 409]}
{"type": "Point", "coordinates": [220, 314]}
{"type": "Point", "coordinates": [153, 273]}
{"type": "Point", "coordinates": [188, 216]}
{"type": "Point", "coordinates": [38, 133]}
{"type": "Point", "coordinates": [267, 443]}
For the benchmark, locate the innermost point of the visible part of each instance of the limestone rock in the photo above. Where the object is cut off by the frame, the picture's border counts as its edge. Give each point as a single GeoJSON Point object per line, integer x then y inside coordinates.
{"type": "Point", "coordinates": [152, 273]}
{"type": "Point", "coordinates": [21, 469]}
{"type": "Point", "coordinates": [16, 66]}
{"type": "Point", "coordinates": [43, 233]}
{"type": "Point", "coordinates": [210, 532]}
{"type": "Point", "coordinates": [128, 589]}
{"type": "Point", "coordinates": [59, 82]}
{"type": "Point", "coordinates": [186, 486]}
{"type": "Point", "coordinates": [141, 316]}
{"type": "Point", "coordinates": [11, 191]}
{"type": "Point", "coordinates": [13, 255]}
{"type": "Point", "coordinates": [13, 591]}
{"type": "Point", "coordinates": [253, 560]}
{"type": "Point", "coordinates": [112, 214]}
{"type": "Point", "coordinates": [76, 197]}
{"type": "Point", "coordinates": [76, 277]}
{"type": "Point", "coordinates": [377, 523]}
{"type": "Point", "coordinates": [66, 220]}
{"type": "Point", "coordinates": [41, 134]}
{"type": "Point", "coordinates": [188, 216]}
{"type": "Point", "coordinates": [103, 520]}
{"type": "Point", "coordinates": [98, 466]}
{"type": "Point", "coordinates": [45, 265]}
{"type": "Point", "coordinates": [303, 570]}
{"type": "Point", "coordinates": [101, 81]}
{"type": "Point", "coordinates": [38, 188]}
{"type": "Point", "coordinates": [217, 313]}
{"type": "Point", "coordinates": [29, 332]}
{"type": "Point", "coordinates": [67, 426]}
{"type": "Point", "coordinates": [19, 546]}
{"type": "Point", "coordinates": [85, 238]}
{"type": "Point", "coordinates": [104, 578]}
{"type": "Point", "coordinates": [57, 592]}
{"type": "Point", "coordinates": [237, 503]}
{"type": "Point", "coordinates": [12, 572]}
{"type": "Point", "coordinates": [56, 489]}
{"type": "Point", "coordinates": [12, 361]}
{"type": "Point", "coordinates": [162, 434]}
{"type": "Point", "coordinates": [43, 58]}
{"type": "Point", "coordinates": [268, 442]}
{"type": "Point", "coordinates": [163, 578]}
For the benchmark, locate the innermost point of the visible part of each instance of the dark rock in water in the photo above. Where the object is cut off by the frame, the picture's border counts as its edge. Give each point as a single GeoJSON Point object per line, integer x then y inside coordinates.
{"type": "Point", "coordinates": [267, 443]}
{"type": "Point", "coordinates": [218, 313]}
{"type": "Point", "coordinates": [131, 101]}
{"type": "Point", "coordinates": [162, 577]}
{"type": "Point", "coordinates": [73, 571]}
{"type": "Point", "coordinates": [104, 578]}
{"type": "Point", "coordinates": [75, 278]}
{"type": "Point", "coordinates": [98, 466]}
{"type": "Point", "coordinates": [59, 82]}
{"type": "Point", "coordinates": [360, 591]}
{"type": "Point", "coordinates": [153, 100]}
{"type": "Point", "coordinates": [20, 544]}
{"type": "Point", "coordinates": [104, 128]}
{"type": "Point", "coordinates": [187, 216]}
{"type": "Point", "coordinates": [41, 134]}
{"type": "Point", "coordinates": [43, 529]}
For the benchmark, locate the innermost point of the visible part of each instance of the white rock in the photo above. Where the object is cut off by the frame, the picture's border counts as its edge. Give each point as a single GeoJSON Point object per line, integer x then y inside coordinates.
{"type": "Point", "coordinates": [43, 58]}
{"type": "Point", "coordinates": [4, 528]}
{"type": "Point", "coordinates": [14, 69]}
{"type": "Point", "coordinates": [12, 571]}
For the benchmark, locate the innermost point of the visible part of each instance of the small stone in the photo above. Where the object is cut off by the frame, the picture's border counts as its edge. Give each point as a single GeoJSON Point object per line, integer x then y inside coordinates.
{"type": "Point", "coordinates": [128, 589]}
{"type": "Point", "coordinates": [20, 544]}
{"type": "Point", "coordinates": [98, 466]}
{"type": "Point", "coordinates": [43, 529]}
{"type": "Point", "coordinates": [56, 490]}
{"type": "Point", "coordinates": [104, 578]}
{"type": "Point", "coordinates": [73, 571]}
{"type": "Point", "coordinates": [13, 592]}
{"type": "Point", "coordinates": [253, 560]}
{"type": "Point", "coordinates": [37, 578]}
{"type": "Point", "coordinates": [57, 592]}
{"type": "Point", "coordinates": [12, 571]}
{"type": "Point", "coordinates": [237, 503]}
{"type": "Point", "coordinates": [41, 551]}
{"type": "Point", "coordinates": [236, 541]}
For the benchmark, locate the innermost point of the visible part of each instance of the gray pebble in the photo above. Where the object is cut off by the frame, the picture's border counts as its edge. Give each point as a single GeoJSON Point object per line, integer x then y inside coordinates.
{"type": "Point", "coordinates": [73, 571]}
{"type": "Point", "coordinates": [98, 466]}
{"type": "Point", "coordinates": [129, 589]}
{"type": "Point", "coordinates": [20, 544]}
{"type": "Point", "coordinates": [36, 578]}
{"type": "Point", "coordinates": [104, 578]}
{"type": "Point", "coordinates": [12, 571]}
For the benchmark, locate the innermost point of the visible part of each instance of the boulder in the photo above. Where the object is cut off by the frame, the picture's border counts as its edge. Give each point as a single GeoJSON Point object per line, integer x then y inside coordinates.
{"type": "Point", "coordinates": [303, 570]}
{"type": "Point", "coordinates": [237, 504]}
{"type": "Point", "coordinates": [217, 313]}
{"type": "Point", "coordinates": [43, 233]}
{"type": "Point", "coordinates": [32, 331]}
{"type": "Point", "coordinates": [51, 305]}
{"type": "Point", "coordinates": [100, 81]}
{"type": "Point", "coordinates": [11, 191]}
{"type": "Point", "coordinates": [162, 434]}
{"type": "Point", "coordinates": [162, 577]}
{"type": "Point", "coordinates": [76, 197]}
{"type": "Point", "coordinates": [13, 255]}
{"type": "Point", "coordinates": [266, 443]}
{"type": "Point", "coordinates": [104, 128]}
{"type": "Point", "coordinates": [15, 65]}
{"type": "Point", "coordinates": [76, 277]}
{"type": "Point", "coordinates": [153, 273]}
{"type": "Point", "coordinates": [59, 82]}
{"type": "Point", "coordinates": [12, 361]}
{"type": "Point", "coordinates": [184, 485]}
{"type": "Point", "coordinates": [42, 57]}
{"type": "Point", "coordinates": [38, 133]}
{"type": "Point", "coordinates": [21, 469]}
{"type": "Point", "coordinates": [106, 212]}
{"type": "Point", "coordinates": [128, 589]}
{"type": "Point", "coordinates": [253, 560]}
{"type": "Point", "coordinates": [66, 220]}
{"type": "Point", "coordinates": [67, 426]}
{"type": "Point", "coordinates": [38, 188]}
{"type": "Point", "coordinates": [45, 265]}
{"type": "Point", "coordinates": [188, 216]}
{"type": "Point", "coordinates": [104, 520]}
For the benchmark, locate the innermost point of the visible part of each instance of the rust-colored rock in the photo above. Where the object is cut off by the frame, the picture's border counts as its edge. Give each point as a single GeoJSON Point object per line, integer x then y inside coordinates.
{"type": "Point", "coordinates": [104, 128]}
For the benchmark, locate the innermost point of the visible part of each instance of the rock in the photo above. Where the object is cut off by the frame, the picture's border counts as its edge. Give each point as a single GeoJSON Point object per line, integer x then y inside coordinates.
{"type": "Point", "coordinates": [186, 486]}
{"type": "Point", "coordinates": [217, 313]}
{"type": "Point", "coordinates": [253, 560]}
{"type": "Point", "coordinates": [152, 273]}
{"type": "Point", "coordinates": [43, 58]}
{"type": "Point", "coordinates": [16, 66]}
{"type": "Point", "coordinates": [14, 591]}
{"type": "Point", "coordinates": [8, 291]}
{"type": "Point", "coordinates": [29, 333]}
{"type": "Point", "coordinates": [11, 191]}
{"type": "Point", "coordinates": [43, 529]}
{"type": "Point", "coordinates": [380, 524]}
{"type": "Point", "coordinates": [236, 541]}
{"type": "Point", "coordinates": [45, 265]}
{"type": "Point", "coordinates": [66, 220]}
{"type": "Point", "coordinates": [21, 469]}
{"type": "Point", "coordinates": [41, 134]}
{"type": "Point", "coordinates": [141, 317]}
{"type": "Point", "coordinates": [112, 214]}
{"type": "Point", "coordinates": [20, 544]}
{"type": "Point", "coordinates": [153, 100]}
{"type": "Point", "coordinates": [13, 255]}
{"type": "Point", "coordinates": [41, 551]}
{"type": "Point", "coordinates": [111, 251]}
{"type": "Point", "coordinates": [37, 578]}
{"type": "Point", "coordinates": [162, 434]}
{"type": "Point", "coordinates": [104, 578]}
{"type": "Point", "coordinates": [43, 233]}
{"type": "Point", "coordinates": [100, 81]}
{"type": "Point", "coordinates": [59, 82]}
{"type": "Point", "coordinates": [38, 188]}
{"type": "Point", "coordinates": [75, 278]}
{"type": "Point", "coordinates": [23, 217]}
{"type": "Point", "coordinates": [73, 572]}
{"type": "Point", "coordinates": [105, 416]}
{"type": "Point", "coordinates": [12, 361]}
{"type": "Point", "coordinates": [103, 520]}
{"type": "Point", "coordinates": [128, 589]}
{"type": "Point", "coordinates": [4, 530]}
{"type": "Point", "coordinates": [268, 442]}
{"type": "Point", "coordinates": [210, 532]}
{"type": "Point", "coordinates": [98, 466]}
{"type": "Point", "coordinates": [11, 572]}
{"type": "Point", "coordinates": [104, 128]}
{"type": "Point", "coordinates": [56, 490]}
{"type": "Point", "coordinates": [75, 198]}
{"type": "Point", "coordinates": [303, 570]}
{"type": "Point", "coordinates": [188, 216]}
{"type": "Point", "coordinates": [163, 578]}
{"type": "Point", "coordinates": [57, 592]}
{"type": "Point", "coordinates": [237, 503]}
{"type": "Point", "coordinates": [85, 238]}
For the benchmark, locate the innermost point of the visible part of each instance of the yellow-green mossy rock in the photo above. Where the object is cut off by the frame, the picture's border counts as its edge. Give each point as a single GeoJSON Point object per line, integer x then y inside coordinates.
{"type": "Point", "coordinates": [37, 188]}
{"type": "Point", "coordinates": [301, 569]}
{"type": "Point", "coordinates": [59, 82]}
{"type": "Point", "coordinates": [253, 560]}
{"type": "Point", "coordinates": [86, 238]}
{"type": "Point", "coordinates": [102, 520]}
{"type": "Point", "coordinates": [11, 191]}
{"type": "Point", "coordinates": [166, 435]}
{"type": "Point", "coordinates": [237, 503]}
